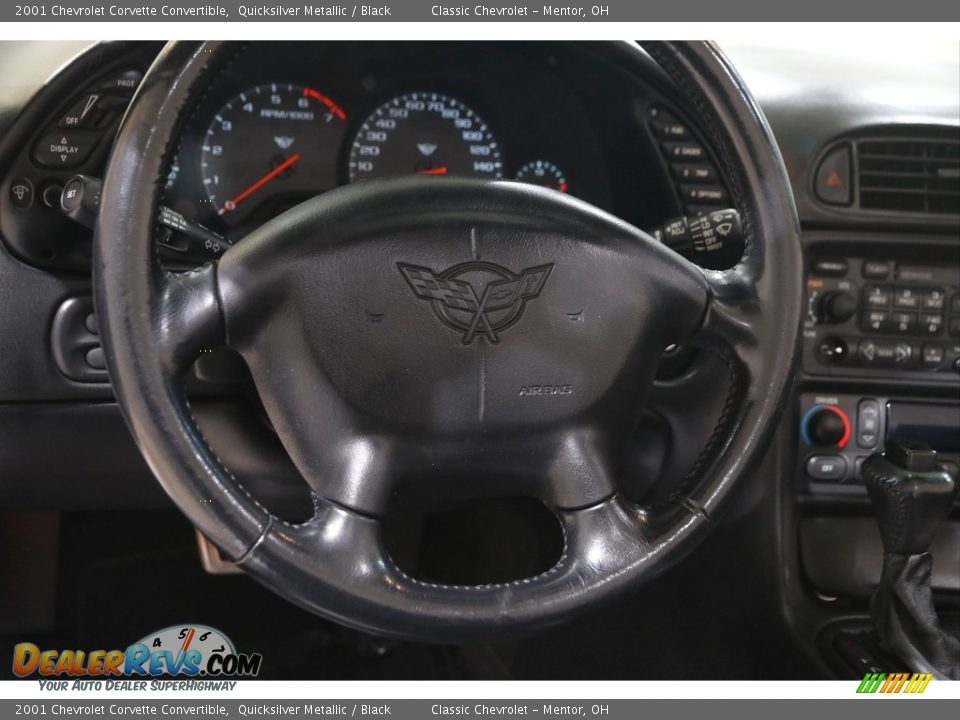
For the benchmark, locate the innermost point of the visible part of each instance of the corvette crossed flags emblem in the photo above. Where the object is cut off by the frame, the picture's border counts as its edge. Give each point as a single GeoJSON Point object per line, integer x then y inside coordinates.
{"type": "Point", "coordinates": [477, 310]}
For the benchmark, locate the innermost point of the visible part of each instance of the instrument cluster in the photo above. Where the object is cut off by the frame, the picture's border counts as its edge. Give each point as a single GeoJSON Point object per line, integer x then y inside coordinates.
{"type": "Point", "coordinates": [285, 122]}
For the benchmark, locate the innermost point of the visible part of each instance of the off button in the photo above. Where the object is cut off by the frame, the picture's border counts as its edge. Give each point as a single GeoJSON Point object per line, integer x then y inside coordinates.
{"type": "Point", "coordinates": [827, 467]}
{"type": "Point", "coordinates": [64, 149]}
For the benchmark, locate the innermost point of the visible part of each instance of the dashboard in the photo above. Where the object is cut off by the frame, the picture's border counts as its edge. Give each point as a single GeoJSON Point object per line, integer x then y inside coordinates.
{"type": "Point", "coordinates": [871, 145]}
{"type": "Point", "coordinates": [282, 122]}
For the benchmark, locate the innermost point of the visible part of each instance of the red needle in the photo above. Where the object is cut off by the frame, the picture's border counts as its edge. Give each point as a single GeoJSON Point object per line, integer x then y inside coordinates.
{"type": "Point", "coordinates": [231, 204]}
{"type": "Point", "coordinates": [442, 170]}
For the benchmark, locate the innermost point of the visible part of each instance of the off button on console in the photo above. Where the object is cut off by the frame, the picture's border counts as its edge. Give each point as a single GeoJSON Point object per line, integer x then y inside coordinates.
{"type": "Point", "coordinates": [827, 467]}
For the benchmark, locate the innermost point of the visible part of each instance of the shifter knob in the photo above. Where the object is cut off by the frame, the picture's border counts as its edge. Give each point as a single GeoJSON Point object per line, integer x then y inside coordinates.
{"type": "Point", "coordinates": [911, 494]}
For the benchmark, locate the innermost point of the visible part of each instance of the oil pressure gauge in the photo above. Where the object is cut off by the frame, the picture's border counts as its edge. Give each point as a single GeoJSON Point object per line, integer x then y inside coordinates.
{"type": "Point", "coordinates": [543, 173]}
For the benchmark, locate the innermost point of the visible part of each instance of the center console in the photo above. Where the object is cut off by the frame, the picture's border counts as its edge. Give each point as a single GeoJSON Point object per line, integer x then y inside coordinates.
{"type": "Point", "coordinates": [881, 358]}
{"type": "Point", "coordinates": [880, 362]}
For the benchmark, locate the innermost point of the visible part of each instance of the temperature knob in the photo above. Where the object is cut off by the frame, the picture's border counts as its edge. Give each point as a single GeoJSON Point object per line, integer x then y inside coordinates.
{"type": "Point", "coordinates": [825, 425]}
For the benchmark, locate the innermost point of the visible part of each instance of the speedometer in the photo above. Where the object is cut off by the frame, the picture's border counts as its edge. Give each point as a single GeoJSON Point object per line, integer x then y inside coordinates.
{"type": "Point", "coordinates": [427, 134]}
{"type": "Point", "coordinates": [275, 143]}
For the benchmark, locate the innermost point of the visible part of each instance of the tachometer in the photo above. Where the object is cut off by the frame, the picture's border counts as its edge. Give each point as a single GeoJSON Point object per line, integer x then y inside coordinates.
{"type": "Point", "coordinates": [273, 142]}
{"type": "Point", "coordinates": [424, 133]}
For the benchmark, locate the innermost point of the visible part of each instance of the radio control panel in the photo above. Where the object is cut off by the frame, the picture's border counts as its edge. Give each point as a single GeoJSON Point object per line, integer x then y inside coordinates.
{"type": "Point", "coordinates": [873, 318]}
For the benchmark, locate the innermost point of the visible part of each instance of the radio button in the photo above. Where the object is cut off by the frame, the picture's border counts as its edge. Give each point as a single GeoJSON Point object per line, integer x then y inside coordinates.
{"type": "Point", "coordinates": [885, 354]}
{"type": "Point", "coordinates": [932, 356]}
{"type": "Point", "coordinates": [876, 321]}
{"type": "Point", "coordinates": [955, 303]}
{"type": "Point", "coordinates": [830, 268]}
{"type": "Point", "coordinates": [933, 299]}
{"type": "Point", "coordinates": [876, 296]}
{"type": "Point", "coordinates": [954, 327]}
{"type": "Point", "coordinates": [930, 324]}
{"type": "Point", "coordinates": [904, 323]}
{"type": "Point", "coordinates": [875, 269]}
{"type": "Point", "coordinates": [827, 467]}
{"type": "Point", "coordinates": [868, 423]}
{"type": "Point", "coordinates": [906, 298]}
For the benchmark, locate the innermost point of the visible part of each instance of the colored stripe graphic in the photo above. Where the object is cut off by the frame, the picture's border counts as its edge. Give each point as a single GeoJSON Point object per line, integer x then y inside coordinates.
{"type": "Point", "coordinates": [913, 683]}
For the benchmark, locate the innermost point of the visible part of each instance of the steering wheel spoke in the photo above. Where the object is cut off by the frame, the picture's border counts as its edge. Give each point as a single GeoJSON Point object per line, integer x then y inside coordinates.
{"type": "Point", "coordinates": [349, 573]}
{"type": "Point", "coordinates": [188, 319]}
{"type": "Point", "coordinates": [730, 321]}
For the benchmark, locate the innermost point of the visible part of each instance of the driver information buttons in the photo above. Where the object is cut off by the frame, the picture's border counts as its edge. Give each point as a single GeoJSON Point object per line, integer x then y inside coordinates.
{"type": "Point", "coordinates": [64, 149]}
{"type": "Point", "coordinates": [827, 467]}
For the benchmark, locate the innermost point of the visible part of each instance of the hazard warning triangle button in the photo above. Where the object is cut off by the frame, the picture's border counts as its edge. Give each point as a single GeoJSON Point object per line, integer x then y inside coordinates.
{"type": "Point", "coordinates": [832, 183]}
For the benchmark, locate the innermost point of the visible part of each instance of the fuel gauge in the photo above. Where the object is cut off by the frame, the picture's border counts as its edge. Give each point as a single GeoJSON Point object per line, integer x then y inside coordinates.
{"type": "Point", "coordinates": [543, 173]}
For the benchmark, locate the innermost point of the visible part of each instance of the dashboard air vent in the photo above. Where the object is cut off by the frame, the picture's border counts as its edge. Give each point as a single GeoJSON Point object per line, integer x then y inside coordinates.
{"type": "Point", "coordinates": [917, 175]}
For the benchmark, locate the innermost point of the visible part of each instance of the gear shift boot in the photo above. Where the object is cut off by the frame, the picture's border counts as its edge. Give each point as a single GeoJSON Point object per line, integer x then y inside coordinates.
{"type": "Point", "coordinates": [912, 496]}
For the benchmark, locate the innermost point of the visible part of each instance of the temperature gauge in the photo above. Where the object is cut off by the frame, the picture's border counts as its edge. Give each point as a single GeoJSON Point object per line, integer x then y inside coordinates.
{"type": "Point", "coordinates": [543, 173]}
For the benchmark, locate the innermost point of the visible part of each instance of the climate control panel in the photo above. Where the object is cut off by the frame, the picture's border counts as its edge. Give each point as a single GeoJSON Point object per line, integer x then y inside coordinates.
{"type": "Point", "coordinates": [868, 317]}
{"type": "Point", "coordinates": [839, 431]}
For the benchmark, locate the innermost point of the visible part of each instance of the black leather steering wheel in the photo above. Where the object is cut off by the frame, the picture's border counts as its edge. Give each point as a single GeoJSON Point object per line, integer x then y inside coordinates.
{"type": "Point", "coordinates": [394, 329]}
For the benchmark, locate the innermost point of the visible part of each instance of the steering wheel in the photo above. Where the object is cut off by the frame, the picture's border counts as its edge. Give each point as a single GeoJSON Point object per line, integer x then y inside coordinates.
{"type": "Point", "coordinates": [491, 334]}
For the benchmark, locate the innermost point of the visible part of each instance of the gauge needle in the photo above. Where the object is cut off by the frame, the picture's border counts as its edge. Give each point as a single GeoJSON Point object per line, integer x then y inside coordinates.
{"type": "Point", "coordinates": [231, 204]}
{"type": "Point", "coordinates": [442, 170]}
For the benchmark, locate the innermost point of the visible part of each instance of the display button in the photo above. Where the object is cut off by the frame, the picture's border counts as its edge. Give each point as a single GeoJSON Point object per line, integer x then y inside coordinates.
{"type": "Point", "coordinates": [930, 324]}
{"type": "Point", "coordinates": [875, 269]}
{"type": "Point", "coordinates": [830, 268]}
{"type": "Point", "coordinates": [932, 356]}
{"type": "Point", "coordinates": [21, 193]}
{"type": "Point", "coordinates": [876, 296]}
{"type": "Point", "coordinates": [876, 321]}
{"type": "Point", "coordinates": [65, 149]}
{"type": "Point", "coordinates": [684, 151]}
{"type": "Point", "coordinates": [827, 467]}
{"type": "Point", "coordinates": [868, 423]}
{"type": "Point", "coordinates": [904, 322]}
{"type": "Point", "coordinates": [694, 173]}
{"type": "Point", "coordinates": [933, 299]}
{"type": "Point", "coordinates": [906, 298]}
{"type": "Point", "coordinates": [832, 183]}
{"type": "Point", "coordinates": [83, 114]}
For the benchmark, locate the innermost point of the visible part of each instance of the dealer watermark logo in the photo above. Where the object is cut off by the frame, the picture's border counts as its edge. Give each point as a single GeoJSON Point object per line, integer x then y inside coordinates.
{"type": "Point", "coordinates": [477, 299]}
{"type": "Point", "coordinates": [179, 650]}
